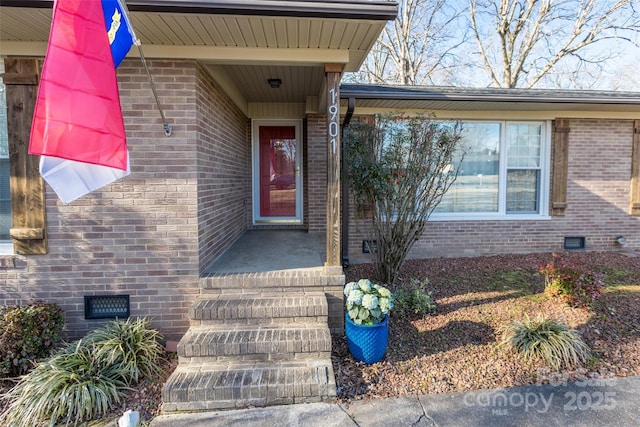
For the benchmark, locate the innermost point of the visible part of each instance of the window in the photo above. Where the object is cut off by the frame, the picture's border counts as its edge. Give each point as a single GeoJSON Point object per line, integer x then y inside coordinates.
{"type": "Point", "coordinates": [502, 174]}
{"type": "Point", "coordinates": [5, 192]}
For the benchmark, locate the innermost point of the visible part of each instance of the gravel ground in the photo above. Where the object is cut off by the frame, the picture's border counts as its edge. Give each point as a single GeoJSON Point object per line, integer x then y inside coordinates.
{"type": "Point", "coordinates": [455, 349]}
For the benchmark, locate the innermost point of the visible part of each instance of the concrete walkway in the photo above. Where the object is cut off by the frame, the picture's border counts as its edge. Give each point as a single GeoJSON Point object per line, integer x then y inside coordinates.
{"type": "Point", "coordinates": [593, 403]}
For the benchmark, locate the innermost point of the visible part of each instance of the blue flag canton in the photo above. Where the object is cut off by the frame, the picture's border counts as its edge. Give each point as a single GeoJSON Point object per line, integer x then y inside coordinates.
{"type": "Point", "coordinates": [119, 30]}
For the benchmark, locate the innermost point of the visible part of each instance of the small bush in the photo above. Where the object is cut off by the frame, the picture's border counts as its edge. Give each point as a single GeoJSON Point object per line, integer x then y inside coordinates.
{"type": "Point", "coordinates": [27, 333]}
{"type": "Point", "coordinates": [69, 387]}
{"type": "Point", "coordinates": [414, 298]}
{"type": "Point", "coordinates": [548, 339]}
{"type": "Point", "coordinates": [85, 379]}
{"type": "Point", "coordinates": [131, 346]}
{"type": "Point", "coordinates": [572, 282]}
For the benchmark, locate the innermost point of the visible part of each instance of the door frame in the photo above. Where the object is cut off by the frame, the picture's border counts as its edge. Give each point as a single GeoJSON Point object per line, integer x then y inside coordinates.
{"type": "Point", "coordinates": [255, 172]}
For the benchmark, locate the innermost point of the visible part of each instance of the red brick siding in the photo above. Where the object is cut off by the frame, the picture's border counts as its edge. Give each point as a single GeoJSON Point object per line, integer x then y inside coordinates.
{"type": "Point", "coordinates": [597, 197]}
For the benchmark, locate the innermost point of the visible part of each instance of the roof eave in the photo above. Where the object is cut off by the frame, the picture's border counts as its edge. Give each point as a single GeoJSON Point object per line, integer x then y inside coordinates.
{"type": "Point", "coordinates": [409, 95]}
{"type": "Point", "coordinates": [377, 10]}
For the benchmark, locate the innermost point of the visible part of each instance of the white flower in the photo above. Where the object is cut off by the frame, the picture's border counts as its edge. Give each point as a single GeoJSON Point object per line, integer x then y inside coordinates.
{"type": "Point", "coordinates": [367, 303]}
{"type": "Point", "coordinates": [365, 285]}
{"type": "Point", "coordinates": [355, 297]}
{"type": "Point", "coordinates": [384, 292]}
{"type": "Point", "coordinates": [370, 302]}
{"type": "Point", "coordinates": [349, 287]}
{"type": "Point", "coordinates": [385, 305]}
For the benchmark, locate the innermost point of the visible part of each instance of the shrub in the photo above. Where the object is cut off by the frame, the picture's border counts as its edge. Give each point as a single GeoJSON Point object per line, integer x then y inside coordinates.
{"type": "Point", "coordinates": [83, 380]}
{"type": "Point", "coordinates": [572, 282]}
{"type": "Point", "coordinates": [69, 387]}
{"type": "Point", "coordinates": [548, 339]}
{"type": "Point", "coordinates": [129, 345]}
{"type": "Point", "coordinates": [27, 333]}
{"type": "Point", "coordinates": [399, 169]}
{"type": "Point", "coordinates": [414, 298]}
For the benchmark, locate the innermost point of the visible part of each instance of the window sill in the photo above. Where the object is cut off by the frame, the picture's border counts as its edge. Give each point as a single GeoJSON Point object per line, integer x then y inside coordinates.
{"type": "Point", "coordinates": [6, 247]}
{"type": "Point", "coordinates": [488, 217]}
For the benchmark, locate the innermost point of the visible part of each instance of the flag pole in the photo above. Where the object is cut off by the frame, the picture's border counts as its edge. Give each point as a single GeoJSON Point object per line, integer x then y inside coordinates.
{"type": "Point", "coordinates": [167, 127]}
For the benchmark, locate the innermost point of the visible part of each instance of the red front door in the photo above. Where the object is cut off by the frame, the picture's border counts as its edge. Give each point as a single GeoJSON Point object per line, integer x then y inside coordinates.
{"type": "Point", "coordinates": [278, 170]}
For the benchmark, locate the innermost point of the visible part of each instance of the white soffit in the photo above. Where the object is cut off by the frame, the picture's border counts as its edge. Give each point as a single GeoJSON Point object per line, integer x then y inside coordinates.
{"type": "Point", "coordinates": [215, 37]}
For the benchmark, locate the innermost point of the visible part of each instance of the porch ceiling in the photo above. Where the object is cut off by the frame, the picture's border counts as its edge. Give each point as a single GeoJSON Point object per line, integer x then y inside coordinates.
{"type": "Point", "coordinates": [249, 40]}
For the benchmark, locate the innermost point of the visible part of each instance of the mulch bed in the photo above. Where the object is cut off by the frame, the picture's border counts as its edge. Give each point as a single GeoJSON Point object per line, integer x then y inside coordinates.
{"type": "Point", "coordinates": [455, 349]}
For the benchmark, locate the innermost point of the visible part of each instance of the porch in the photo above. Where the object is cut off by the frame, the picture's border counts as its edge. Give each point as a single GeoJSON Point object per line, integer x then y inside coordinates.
{"type": "Point", "coordinates": [268, 261]}
{"type": "Point", "coordinates": [260, 331]}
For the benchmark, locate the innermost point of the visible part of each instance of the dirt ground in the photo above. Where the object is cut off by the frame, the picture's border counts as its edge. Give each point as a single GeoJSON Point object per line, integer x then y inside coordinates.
{"type": "Point", "coordinates": [455, 349]}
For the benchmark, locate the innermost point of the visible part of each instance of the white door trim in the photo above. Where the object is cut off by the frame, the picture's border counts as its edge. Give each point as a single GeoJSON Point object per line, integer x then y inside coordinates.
{"type": "Point", "coordinates": [255, 169]}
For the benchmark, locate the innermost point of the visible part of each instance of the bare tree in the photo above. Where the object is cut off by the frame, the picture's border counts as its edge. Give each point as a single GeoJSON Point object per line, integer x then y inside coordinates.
{"type": "Point", "coordinates": [399, 170]}
{"type": "Point", "coordinates": [521, 41]}
{"type": "Point", "coordinates": [418, 47]}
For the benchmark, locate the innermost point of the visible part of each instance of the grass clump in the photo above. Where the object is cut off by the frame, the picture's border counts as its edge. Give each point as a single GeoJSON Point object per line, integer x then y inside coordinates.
{"type": "Point", "coordinates": [548, 339]}
{"type": "Point", "coordinates": [131, 347]}
{"type": "Point", "coordinates": [85, 379]}
{"type": "Point", "coordinates": [414, 298]}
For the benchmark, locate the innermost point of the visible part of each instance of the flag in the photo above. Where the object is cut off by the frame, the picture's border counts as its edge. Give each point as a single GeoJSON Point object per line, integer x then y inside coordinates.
{"type": "Point", "coordinates": [77, 128]}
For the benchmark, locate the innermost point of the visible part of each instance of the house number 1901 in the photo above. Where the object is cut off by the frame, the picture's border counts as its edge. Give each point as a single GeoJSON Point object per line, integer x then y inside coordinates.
{"type": "Point", "coordinates": [334, 127]}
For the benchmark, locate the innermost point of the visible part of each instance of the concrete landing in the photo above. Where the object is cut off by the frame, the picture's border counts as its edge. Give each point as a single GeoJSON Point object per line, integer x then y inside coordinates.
{"type": "Point", "coordinates": [272, 250]}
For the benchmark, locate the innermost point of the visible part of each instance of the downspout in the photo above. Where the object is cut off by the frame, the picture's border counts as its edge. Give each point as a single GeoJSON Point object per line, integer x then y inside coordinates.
{"type": "Point", "coordinates": [344, 238]}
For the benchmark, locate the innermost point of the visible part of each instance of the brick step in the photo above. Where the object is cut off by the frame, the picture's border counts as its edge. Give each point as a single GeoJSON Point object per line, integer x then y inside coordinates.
{"type": "Point", "coordinates": [260, 309]}
{"type": "Point", "coordinates": [205, 344]}
{"type": "Point", "coordinates": [273, 281]}
{"type": "Point", "coordinates": [238, 385]}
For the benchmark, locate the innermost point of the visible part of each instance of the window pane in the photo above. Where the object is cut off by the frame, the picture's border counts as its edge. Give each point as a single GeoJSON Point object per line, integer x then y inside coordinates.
{"type": "Point", "coordinates": [5, 200]}
{"type": "Point", "coordinates": [5, 193]}
{"type": "Point", "coordinates": [524, 145]}
{"type": "Point", "coordinates": [522, 191]}
{"type": "Point", "coordinates": [476, 188]}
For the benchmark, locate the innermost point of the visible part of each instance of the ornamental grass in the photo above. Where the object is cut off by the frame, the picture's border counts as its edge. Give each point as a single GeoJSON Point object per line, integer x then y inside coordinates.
{"type": "Point", "coordinates": [548, 339]}
{"type": "Point", "coordinates": [86, 379]}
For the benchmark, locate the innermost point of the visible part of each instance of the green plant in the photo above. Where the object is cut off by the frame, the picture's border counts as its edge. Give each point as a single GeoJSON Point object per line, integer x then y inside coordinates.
{"type": "Point", "coordinates": [84, 379]}
{"type": "Point", "coordinates": [399, 169]}
{"type": "Point", "coordinates": [27, 333]}
{"type": "Point", "coordinates": [548, 339]}
{"type": "Point", "coordinates": [572, 282]}
{"type": "Point", "coordinates": [129, 345]}
{"type": "Point", "coordinates": [71, 386]}
{"type": "Point", "coordinates": [367, 303]}
{"type": "Point", "coordinates": [414, 298]}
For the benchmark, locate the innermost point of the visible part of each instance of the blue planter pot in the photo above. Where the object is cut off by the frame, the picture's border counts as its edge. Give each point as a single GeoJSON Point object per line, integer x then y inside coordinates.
{"type": "Point", "coordinates": [367, 343]}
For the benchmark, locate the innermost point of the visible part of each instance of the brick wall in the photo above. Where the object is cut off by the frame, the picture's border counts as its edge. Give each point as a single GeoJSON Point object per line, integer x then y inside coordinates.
{"type": "Point", "coordinates": [224, 169]}
{"type": "Point", "coordinates": [138, 236]}
{"type": "Point", "coordinates": [597, 197]}
{"type": "Point", "coordinates": [317, 172]}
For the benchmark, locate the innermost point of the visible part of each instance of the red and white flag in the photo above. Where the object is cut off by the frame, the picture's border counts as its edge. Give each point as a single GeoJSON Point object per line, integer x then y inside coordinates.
{"type": "Point", "coordinates": [77, 126]}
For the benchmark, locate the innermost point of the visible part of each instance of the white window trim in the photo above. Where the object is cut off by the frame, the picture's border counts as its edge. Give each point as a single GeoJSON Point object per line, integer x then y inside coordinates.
{"type": "Point", "coordinates": [545, 178]}
{"type": "Point", "coordinates": [6, 246]}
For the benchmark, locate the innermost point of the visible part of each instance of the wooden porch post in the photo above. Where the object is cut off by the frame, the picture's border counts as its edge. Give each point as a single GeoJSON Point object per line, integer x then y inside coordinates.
{"type": "Point", "coordinates": [333, 74]}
